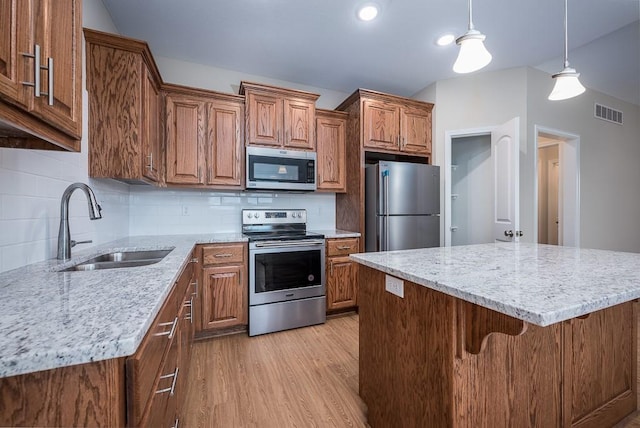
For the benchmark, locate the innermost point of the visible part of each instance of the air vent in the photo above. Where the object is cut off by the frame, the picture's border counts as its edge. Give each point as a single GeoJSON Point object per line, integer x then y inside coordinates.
{"type": "Point", "coordinates": [608, 114]}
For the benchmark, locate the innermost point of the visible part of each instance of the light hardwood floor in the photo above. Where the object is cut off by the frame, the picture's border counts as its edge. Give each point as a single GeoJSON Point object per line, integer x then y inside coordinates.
{"type": "Point", "coordinates": [306, 377]}
{"type": "Point", "coordinates": [298, 378]}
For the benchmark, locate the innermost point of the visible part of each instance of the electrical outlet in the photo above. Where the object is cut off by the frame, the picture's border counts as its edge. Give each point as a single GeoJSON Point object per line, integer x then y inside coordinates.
{"type": "Point", "coordinates": [185, 210]}
{"type": "Point", "coordinates": [394, 286]}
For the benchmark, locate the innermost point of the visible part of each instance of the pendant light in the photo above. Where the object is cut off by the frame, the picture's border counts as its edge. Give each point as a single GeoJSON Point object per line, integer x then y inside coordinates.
{"type": "Point", "coordinates": [567, 83]}
{"type": "Point", "coordinates": [473, 55]}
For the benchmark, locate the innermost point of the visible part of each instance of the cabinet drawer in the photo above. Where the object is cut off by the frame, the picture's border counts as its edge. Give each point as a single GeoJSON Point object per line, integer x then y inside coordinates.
{"type": "Point", "coordinates": [223, 254]}
{"type": "Point", "coordinates": [341, 247]}
{"type": "Point", "coordinates": [142, 368]}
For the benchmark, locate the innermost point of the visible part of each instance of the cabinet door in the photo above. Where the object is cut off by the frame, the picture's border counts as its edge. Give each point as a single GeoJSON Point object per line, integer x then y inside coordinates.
{"type": "Point", "coordinates": [299, 126]}
{"type": "Point", "coordinates": [56, 28]}
{"type": "Point", "coordinates": [224, 144]}
{"type": "Point", "coordinates": [264, 120]}
{"type": "Point", "coordinates": [152, 132]}
{"type": "Point", "coordinates": [331, 134]}
{"type": "Point", "coordinates": [415, 131]}
{"type": "Point", "coordinates": [381, 123]}
{"type": "Point", "coordinates": [342, 280]}
{"type": "Point", "coordinates": [224, 297]}
{"type": "Point", "coordinates": [13, 38]}
{"type": "Point", "coordinates": [185, 139]}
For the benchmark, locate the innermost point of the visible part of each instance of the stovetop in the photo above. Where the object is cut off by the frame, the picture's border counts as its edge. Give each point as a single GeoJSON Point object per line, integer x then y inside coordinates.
{"type": "Point", "coordinates": [276, 225]}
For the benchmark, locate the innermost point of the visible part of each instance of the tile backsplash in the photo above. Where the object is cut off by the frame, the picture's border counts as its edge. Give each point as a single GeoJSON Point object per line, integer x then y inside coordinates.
{"type": "Point", "coordinates": [161, 211]}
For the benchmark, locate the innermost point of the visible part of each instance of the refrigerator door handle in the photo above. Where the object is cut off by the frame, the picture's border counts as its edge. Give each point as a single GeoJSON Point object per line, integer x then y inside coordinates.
{"type": "Point", "coordinates": [385, 225]}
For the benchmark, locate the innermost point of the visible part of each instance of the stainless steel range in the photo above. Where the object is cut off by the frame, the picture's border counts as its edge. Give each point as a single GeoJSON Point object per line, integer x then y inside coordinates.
{"type": "Point", "coordinates": [286, 271]}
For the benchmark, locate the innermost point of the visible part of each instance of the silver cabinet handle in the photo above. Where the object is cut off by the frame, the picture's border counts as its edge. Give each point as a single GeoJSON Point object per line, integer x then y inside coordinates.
{"type": "Point", "coordinates": [343, 247]}
{"type": "Point", "coordinates": [189, 304]}
{"type": "Point", "coordinates": [194, 260]}
{"type": "Point", "coordinates": [36, 69]}
{"type": "Point", "coordinates": [150, 157]}
{"type": "Point", "coordinates": [223, 255]}
{"type": "Point", "coordinates": [170, 332]}
{"type": "Point", "coordinates": [509, 233]}
{"type": "Point", "coordinates": [519, 233]}
{"type": "Point", "coordinates": [49, 69]}
{"type": "Point", "coordinates": [175, 423]}
{"type": "Point", "coordinates": [195, 293]}
{"type": "Point", "coordinates": [171, 390]}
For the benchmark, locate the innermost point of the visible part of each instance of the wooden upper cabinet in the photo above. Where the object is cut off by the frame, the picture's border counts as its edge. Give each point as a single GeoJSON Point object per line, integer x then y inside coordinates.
{"type": "Point", "coordinates": [41, 95]}
{"type": "Point", "coordinates": [395, 124]}
{"type": "Point", "coordinates": [264, 127]}
{"type": "Point", "coordinates": [331, 138]}
{"type": "Point", "coordinates": [381, 125]}
{"type": "Point", "coordinates": [185, 139]}
{"type": "Point", "coordinates": [415, 130]}
{"type": "Point", "coordinates": [125, 110]}
{"type": "Point", "coordinates": [299, 126]}
{"type": "Point", "coordinates": [204, 138]}
{"type": "Point", "coordinates": [225, 160]}
{"type": "Point", "coordinates": [278, 117]}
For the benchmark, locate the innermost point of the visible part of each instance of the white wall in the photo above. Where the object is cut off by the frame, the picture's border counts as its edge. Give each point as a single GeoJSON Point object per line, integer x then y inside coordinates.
{"type": "Point", "coordinates": [32, 182]}
{"type": "Point", "coordinates": [222, 80]}
{"type": "Point", "coordinates": [609, 153]}
{"type": "Point", "coordinates": [162, 211]}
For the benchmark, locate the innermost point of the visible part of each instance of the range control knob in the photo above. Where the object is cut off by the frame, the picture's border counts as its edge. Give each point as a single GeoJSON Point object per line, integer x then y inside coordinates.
{"type": "Point", "coordinates": [249, 215]}
{"type": "Point", "coordinates": [256, 215]}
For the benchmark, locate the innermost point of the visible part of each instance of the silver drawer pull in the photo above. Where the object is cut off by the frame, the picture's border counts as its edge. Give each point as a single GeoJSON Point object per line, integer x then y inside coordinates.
{"type": "Point", "coordinates": [175, 423]}
{"type": "Point", "coordinates": [344, 247]}
{"type": "Point", "coordinates": [170, 332]}
{"type": "Point", "coordinates": [150, 157]}
{"type": "Point", "coordinates": [194, 260]}
{"type": "Point", "coordinates": [189, 304]}
{"type": "Point", "coordinates": [195, 283]}
{"type": "Point", "coordinates": [171, 390]}
{"type": "Point", "coordinates": [223, 255]}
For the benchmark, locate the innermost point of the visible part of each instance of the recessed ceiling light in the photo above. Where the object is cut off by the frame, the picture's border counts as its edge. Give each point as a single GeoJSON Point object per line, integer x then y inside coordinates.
{"type": "Point", "coordinates": [445, 40]}
{"type": "Point", "coordinates": [368, 12]}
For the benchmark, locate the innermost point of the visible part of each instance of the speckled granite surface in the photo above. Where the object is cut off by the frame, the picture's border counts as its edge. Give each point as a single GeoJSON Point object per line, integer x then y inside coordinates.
{"type": "Point", "coordinates": [337, 233]}
{"type": "Point", "coordinates": [52, 319]}
{"type": "Point", "coordinates": [540, 284]}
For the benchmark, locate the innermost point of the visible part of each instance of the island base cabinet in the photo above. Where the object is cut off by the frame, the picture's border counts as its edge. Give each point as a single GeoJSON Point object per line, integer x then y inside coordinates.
{"type": "Point", "coordinates": [430, 359]}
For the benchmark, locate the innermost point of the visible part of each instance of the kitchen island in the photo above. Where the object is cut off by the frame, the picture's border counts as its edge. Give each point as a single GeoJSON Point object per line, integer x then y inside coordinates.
{"type": "Point", "coordinates": [498, 335]}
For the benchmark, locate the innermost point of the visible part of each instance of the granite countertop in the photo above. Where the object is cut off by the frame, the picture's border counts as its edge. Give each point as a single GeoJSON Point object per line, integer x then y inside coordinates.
{"type": "Point", "coordinates": [53, 319]}
{"type": "Point", "coordinates": [336, 233]}
{"type": "Point", "coordinates": [540, 284]}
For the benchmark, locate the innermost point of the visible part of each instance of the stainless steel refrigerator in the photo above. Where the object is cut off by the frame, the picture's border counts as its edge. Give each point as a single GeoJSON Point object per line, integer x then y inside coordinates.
{"type": "Point", "coordinates": [402, 206]}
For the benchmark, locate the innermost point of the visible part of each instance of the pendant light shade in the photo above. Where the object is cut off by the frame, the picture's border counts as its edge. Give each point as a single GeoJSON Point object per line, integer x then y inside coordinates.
{"type": "Point", "coordinates": [567, 84]}
{"type": "Point", "coordinates": [473, 55]}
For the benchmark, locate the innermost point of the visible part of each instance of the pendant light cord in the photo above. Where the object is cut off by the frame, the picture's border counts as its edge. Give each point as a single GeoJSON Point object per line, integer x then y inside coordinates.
{"type": "Point", "coordinates": [471, 27]}
{"type": "Point", "coordinates": [566, 38]}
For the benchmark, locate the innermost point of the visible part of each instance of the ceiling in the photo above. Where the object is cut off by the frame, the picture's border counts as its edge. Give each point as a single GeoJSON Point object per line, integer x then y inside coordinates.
{"type": "Point", "coordinates": [321, 43]}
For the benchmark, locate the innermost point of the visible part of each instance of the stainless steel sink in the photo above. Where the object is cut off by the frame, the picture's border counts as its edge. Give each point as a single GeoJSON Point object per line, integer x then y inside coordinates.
{"type": "Point", "coordinates": [120, 259]}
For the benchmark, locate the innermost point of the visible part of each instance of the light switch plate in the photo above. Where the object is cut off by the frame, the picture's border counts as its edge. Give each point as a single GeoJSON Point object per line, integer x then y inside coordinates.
{"type": "Point", "coordinates": [394, 286]}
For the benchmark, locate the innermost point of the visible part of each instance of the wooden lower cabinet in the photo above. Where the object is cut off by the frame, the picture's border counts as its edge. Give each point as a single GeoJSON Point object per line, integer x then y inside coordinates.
{"type": "Point", "coordinates": [146, 389]}
{"type": "Point", "coordinates": [430, 359]}
{"type": "Point", "coordinates": [341, 274]}
{"type": "Point", "coordinates": [224, 294]}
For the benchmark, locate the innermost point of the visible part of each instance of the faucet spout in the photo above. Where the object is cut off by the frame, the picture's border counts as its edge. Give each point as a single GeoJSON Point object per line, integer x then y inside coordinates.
{"type": "Point", "coordinates": [64, 235]}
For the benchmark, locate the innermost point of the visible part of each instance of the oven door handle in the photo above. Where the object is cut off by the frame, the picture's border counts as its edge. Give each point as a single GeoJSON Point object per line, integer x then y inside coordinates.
{"type": "Point", "coordinates": [281, 244]}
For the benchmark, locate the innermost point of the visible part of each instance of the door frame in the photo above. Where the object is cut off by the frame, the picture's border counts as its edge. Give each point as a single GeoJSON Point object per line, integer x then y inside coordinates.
{"type": "Point", "coordinates": [449, 136]}
{"type": "Point", "coordinates": [569, 182]}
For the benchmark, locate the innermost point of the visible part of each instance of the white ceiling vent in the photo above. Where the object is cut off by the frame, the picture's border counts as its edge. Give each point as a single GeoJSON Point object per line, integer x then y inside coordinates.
{"type": "Point", "coordinates": [608, 114]}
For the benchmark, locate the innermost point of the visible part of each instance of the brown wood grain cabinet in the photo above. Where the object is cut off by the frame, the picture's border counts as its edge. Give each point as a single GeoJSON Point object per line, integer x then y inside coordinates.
{"type": "Point", "coordinates": [430, 359]}
{"type": "Point", "coordinates": [380, 126]}
{"type": "Point", "coordinates": [125, 110]}
{"type": "Point", "coordinates": [224, 298]}
{"type": "Point", "coordinates": [342, 273]}
{"type": "Point", "coordinates": [146, 389]}
{"type": "Point", "coordinates": [46, 111]}
{"type": "Point", "coordinates": [204, 138]}
{"type": "Point", "coordinates": [331, 129]}
{"type": "Point", "coordinates": [279, 117]}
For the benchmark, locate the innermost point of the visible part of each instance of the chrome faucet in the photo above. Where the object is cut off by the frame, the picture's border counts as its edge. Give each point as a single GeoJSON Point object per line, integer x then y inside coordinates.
{"type": "Point", "coordinates": [64, 237]}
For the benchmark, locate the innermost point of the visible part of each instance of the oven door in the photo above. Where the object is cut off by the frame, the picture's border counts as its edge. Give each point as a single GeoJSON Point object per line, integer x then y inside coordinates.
{"type": "Point", "coordinates": [281, 271]}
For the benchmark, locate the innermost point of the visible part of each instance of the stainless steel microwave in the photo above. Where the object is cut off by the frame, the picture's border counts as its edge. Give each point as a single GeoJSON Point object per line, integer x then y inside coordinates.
{"type": "Point", "coordinates": [276, 169]}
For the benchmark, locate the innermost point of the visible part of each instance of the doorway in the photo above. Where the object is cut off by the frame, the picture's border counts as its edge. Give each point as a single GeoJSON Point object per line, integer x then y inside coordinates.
{"type": "Point", "coordinates": [481, 182]}
{"type": "Point", "coordinates": [557, 213]}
